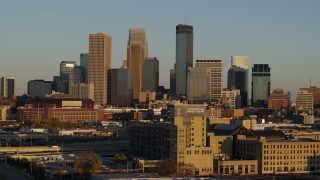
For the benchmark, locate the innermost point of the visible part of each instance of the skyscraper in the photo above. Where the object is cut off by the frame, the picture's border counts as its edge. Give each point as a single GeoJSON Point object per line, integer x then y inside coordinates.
{"type": "Point", "coordinates": [100, 54]}
{"type": "Point", "coordinates": [150, 74]}
{"type": "Point", "coordinates": [137, 51]}
{"type": "Point", "coordinates": [260, 85]}
{"type": "Point", "coordinates": [84, 62]}
{"type": "Point", "coordinates": [216, 77]}
{"type": "Point", "coordinates": [198, 84]}
{"type": "Point", "coordinates": [7, 87]}
{"type": "Point", "coordinates": [173, 82]}
{"type": "Point", "coordinates": [39, 88]}
{"type": "Point", "coordinates": [184, 56]}
{"type": "Point", "coordinates": [238, 77]}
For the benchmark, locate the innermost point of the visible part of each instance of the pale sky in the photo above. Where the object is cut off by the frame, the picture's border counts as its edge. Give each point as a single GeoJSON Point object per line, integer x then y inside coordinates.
{"type": "Point", "coordinates": [35, 36]}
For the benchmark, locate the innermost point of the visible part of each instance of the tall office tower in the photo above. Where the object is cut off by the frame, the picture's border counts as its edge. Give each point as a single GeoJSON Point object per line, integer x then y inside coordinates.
{"type": "Point", "coordinates": [99, 62]}
{"type": "Point", "coordinates": [66, 67]}
{"type": "Point", "coordinates": [172, 82]}
{"type": "Point", "coordinates": [7, 87]}
{"type": "Point", "coordinates": [84, 62]}
{"type": "Point", "coordinates": [137, 51]}
{"type": "Point", "coordinates": [231, 98]}
{"type": "Point", "coordinates": [39, 88]}
{"type": "Point", "coordinates": [184, 56]}
{"type": "Point", "coordinates": [78, 74]}
{"type": "Point", "coordinates": [61, 83]}
{"type": "Point", "coordinates": [260, 85]}
{"type": "Point", "coordinates": [305, 102]}
{"type": "Point", "coordinates": [150, 74]}
{"type": "Point", "coordinates": [198, 85]}
{"type": "Point", "coordinates": [120, 87]}
{"type": "Point", "coordinates": [216, 77]}
{"type": "Point", "coordinates": [238, 77]}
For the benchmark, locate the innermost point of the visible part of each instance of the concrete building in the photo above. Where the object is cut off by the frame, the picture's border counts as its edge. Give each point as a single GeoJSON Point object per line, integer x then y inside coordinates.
{"type": "Point", "coordinates": [150, 74]}
{"type": "Point", "coordinates": [198, 85]}
{"type": "Point", "coordinates": [7, 87]}
{"type": "Point", "coordinates": [316, 93]}
{"type": "Point", "coordinates": [137, 51]}
{"type": "Point", "coordinates": [276, 156]}
{"type": "Point", "coordinates": [304, 102]}
{"type": "Point", "coordinates": [238, 77]}
{"type": "Point", "coordinates": [81, 91]}
{"type": "Point", "coordinates": [231, 98]}
{"type": "Point", "coordinates": [216, 77]}
{"type": "Point", "coordinates": [100, 56]}
{"type": "Point", "coordinates": [120, 87]}
{"type": "Point", "coordinates": [39, 88]}
{"type": "Point", "coordinates": [184, 56]}
{"type": "Point", "coordinates": [261, 84]}
{"type": "Point", "coordinates": [84, 62]}
{"type": "Point", "coordinates": [146, 97]}
{"type": "Point", "coordinates": [278, 100]}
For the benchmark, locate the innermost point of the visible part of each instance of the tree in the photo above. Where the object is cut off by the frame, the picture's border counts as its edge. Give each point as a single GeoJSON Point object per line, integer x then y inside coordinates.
{"type": "Point", "coordinates": [120, 158]}
{"type": "Point", "coordinates": [167, 167]}
{"type": "Point", "coordinates": [87, 163]}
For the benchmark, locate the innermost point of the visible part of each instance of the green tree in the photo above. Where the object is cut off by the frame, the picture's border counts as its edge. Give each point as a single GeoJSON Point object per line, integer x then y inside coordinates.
{"type": "Point", "coordinates": [87, 163]}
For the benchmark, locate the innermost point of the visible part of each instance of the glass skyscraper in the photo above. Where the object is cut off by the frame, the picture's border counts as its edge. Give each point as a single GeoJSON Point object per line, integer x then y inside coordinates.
{"type": "Point", "coordinates": [238, 77]}
{"type": "Point", "coordinates": [260, 85]}
{"type": "Point", "coordinates": [184, 56]}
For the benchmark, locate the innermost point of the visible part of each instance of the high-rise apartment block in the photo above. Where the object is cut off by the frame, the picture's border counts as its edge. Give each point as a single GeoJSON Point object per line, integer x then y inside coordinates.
{"type": "Point", "coordinates": [198, 84]}
{"type": "Point", "coordinates": [304, 102]}
{"type": "Point", "coordinates": [316, 93]}
{"type": "Point", "coordinates": [100, 54]}
{"type": "Point", "coordinates": [216, 77]}
{"type": "Point", "coordinates": [7, 87]}
{"type": "Point", "coordinates": [238, 77]}
{"type": "Point", "coordinates": [231, 98]}
{"type": "Point", "coordinates": [39, 88]}
{"type": "Point", "coordinates": [261, 84]}
{"type": "Point", "coordinates": [150, 74]}
{"type": "Point", "coordinates": [184, 56]}
{"type": "Point", "coordinates": [120, 87]}
{"type": "Point", "coordinates": [137, 51]}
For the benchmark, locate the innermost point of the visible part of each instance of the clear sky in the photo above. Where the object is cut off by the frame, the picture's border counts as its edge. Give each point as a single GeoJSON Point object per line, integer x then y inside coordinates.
{"type": "Point", "coordinates": [35, 36]}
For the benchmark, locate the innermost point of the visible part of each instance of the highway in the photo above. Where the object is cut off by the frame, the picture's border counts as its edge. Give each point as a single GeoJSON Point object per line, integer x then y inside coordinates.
{"type": "Point", "coordinates": [104, 148]}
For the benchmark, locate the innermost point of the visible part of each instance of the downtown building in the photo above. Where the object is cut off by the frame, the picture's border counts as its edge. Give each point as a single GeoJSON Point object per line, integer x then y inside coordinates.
{"type": "Point", "coordinates": [137, 51]}
{"type": "Point", "coordinates": [261, 84]}
{"type": "Point", "coordinates": [278, 100]}
{"type": "Point", "coordinates": [120, 87]}
{"type": "Point", "coordinates": [216, 77]}
{"type": "Point", "coordinates": [304, 102]}
{"type": "Point", "coordinates": [184, 57]}
{"type": "Point", "coordinates": [198, 84]}
{"type": "Point", "coordinates": [100, 55]}
{"type": "Point", "coordinates": [39, 88]}
{"type": "Point", "coordinates": [150, 74]}
{"type": "Point", "coordinates": [7, 87]}
{"type": "Point", "coordinates": [238, 77]}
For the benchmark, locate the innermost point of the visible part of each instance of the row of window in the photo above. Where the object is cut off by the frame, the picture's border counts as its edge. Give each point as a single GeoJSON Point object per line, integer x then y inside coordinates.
{"type": "Point", "coordinates": [291, 146]}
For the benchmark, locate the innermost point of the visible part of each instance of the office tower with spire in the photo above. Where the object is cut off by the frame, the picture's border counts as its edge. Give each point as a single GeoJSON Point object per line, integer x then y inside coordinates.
{"type": "Point", "coordinates": [261, 84]}
{"type": "Point", "coordinates": [184, 56]}
{"type": "Point", "coordinates": [7, 87]}
{"type": "Point", "coordinates": [150, 74]}
{"type": "Point", "coordinates": [216, 77]}
{"type": "Point", "coordinates": [100, 55]}
{"type": "Point", "coordinates": [238, 77]}
{"type": "Point", "coordinates": [137, 51]}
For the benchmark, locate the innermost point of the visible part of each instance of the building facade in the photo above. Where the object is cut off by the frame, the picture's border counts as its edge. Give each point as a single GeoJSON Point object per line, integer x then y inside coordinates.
{"type": "Point", "coordinates": [216, 77]}
{"type": "Point", "coordinates": [137, 51]}
{"type": "Point", "coordinates": [184, 56]}
{"type": "Point", "coordinates": [121, 92]}
{"type": "Point", "coordinates": [84, 62]}
{"type": "Point", "coordinates": [238, 77]}
{"type": "Point", "coordinates": [231, 98]}
{"type": "Point", "coordinates": [100, 55]}
{"type": "Point", "coordinates": [150, 74]}
{"type": "Point", "coordinates": [304, 102]}
{"type": "Point", "coordinates": [316, 93]}
{"type": "Point", "coordinates": [39, 88]}
{"type": "Point", "coordinates": [198, 85]}
{"type": "Point", "coordinates": [7, 87]}
{"type": "Point", "coordinates": [278, 100]}
{"type": "Point", "coordinates": [261, 84]}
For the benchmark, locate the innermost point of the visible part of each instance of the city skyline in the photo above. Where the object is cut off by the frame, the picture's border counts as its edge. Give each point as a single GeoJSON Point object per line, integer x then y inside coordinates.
{"type": "Point", "coordinates": [281, 34]}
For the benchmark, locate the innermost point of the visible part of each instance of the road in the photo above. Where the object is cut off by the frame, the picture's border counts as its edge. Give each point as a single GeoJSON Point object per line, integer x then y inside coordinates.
{"type": "Point", "coordinates": [11, 174]}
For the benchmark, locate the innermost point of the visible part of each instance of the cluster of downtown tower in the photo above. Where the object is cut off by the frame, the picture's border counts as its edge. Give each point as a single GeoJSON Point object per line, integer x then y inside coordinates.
{"type": "Point", "coordinates": [137, 80]}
